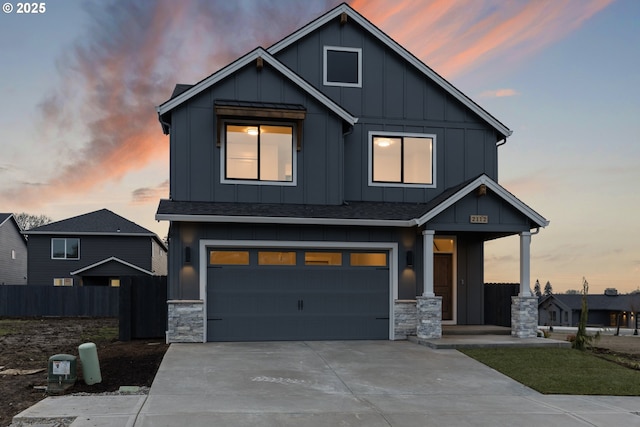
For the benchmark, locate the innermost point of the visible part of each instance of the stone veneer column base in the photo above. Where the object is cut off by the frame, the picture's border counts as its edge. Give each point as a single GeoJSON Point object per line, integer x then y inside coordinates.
{"type": "Point", "coordinates": [405, 318]}
{"type": "Point", "coordinates": [185, 321]}
{"type": "Point", "coordinates": [429, 311]}
{"type": "Point", "coordinates": [524, 316]}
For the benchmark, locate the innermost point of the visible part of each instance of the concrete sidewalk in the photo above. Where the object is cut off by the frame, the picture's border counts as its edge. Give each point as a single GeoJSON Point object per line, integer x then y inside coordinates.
{"type": "Point", "coordinates": [351, 383]}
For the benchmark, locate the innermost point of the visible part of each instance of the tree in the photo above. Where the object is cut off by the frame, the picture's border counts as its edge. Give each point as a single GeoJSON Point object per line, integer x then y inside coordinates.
{"type": "Point", "coordinates": [536, 289]}
{"type": "Point", "coordinates": [572, 292]}
{"type": "Point", "coordinates": [27, 221]}
{"type": "Point", "coordinates": [582, 339]}
{"type": "Point", "coordinates": [548, 290]}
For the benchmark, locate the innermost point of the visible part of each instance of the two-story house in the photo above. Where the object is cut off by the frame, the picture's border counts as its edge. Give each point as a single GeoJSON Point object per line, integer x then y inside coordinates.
{"type": "Point", "coordinates": [93, 249]}
{"type": "Point", "coordinates": [333, 186]}
{"type": "Point", "coordinates": [13, 252]}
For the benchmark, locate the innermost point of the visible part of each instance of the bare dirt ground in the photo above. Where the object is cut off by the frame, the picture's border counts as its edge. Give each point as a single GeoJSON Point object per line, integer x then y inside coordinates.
{"type": "Point", "coordinates": [27, 344]}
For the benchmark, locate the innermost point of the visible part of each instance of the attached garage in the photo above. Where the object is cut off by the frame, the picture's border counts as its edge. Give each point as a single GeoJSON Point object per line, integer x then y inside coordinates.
{"type": "Point", "coordinates": [256, 294]}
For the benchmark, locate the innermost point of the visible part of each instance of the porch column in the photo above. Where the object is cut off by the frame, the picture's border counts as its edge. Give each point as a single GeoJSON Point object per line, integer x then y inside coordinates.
{"type": "Point", "coordinates": [427, 262]}
{"type": "Point", "coordinates": [429, 306]}
{"type": "Point", "coordinates": [524, 307]}
{"type": "Point", "coordinates": [525, 264]}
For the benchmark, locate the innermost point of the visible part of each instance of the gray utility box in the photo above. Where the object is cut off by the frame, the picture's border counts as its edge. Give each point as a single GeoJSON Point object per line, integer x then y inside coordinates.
{"type": "Point", "coordinates": [62, 371]}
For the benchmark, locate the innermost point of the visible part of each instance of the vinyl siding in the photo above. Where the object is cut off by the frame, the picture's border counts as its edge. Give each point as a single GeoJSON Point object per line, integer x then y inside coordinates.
{"type": "Point", "coordinates": [12, 271]}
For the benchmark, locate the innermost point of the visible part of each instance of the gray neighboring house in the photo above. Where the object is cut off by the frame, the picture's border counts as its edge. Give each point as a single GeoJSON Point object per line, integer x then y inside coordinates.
{"type": "Point", "coordinates": [13, 252]}
{"type": "Point", "coordinates": [333, 186]}
{"type": "Point", "coordinates": [605, 310]}
{"type": "Point", "coordinates": [94, 249]}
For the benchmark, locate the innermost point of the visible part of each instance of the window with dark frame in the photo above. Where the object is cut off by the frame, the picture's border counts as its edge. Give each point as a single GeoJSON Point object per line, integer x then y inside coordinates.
{"type": "Point", "coordinates": [402, 159]}
{"type": "Point", "coordinates": [259, 152]}
{"type": "Point", "coordinates": [65, 248]}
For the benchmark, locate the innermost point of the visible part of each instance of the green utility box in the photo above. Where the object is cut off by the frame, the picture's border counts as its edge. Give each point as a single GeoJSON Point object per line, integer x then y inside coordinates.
{"type": "Point", "coordinates": [62, 372]}
{"type": "Point", "coordinates": [90, 363]}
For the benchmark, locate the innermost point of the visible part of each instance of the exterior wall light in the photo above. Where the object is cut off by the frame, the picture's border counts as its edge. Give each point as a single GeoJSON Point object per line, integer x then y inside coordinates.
{"type": "Point", "coordinates": [187, 255]}
{"type": "Point", "coordinates": [410, 259]}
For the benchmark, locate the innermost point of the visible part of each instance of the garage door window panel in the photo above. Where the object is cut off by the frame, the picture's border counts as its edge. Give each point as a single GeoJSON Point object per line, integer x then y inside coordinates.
{"type": "Point", "coordinates": [368, 259]}
{"type": "Point", "coordinates": [276, 258]}
{"type": "Point", "coordinates": [229, 257]}
{"type": "Point", "coordinates": [323, 258]}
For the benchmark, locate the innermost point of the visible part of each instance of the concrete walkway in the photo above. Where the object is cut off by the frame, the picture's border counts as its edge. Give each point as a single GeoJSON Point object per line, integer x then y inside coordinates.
{"type": "Point", "coordinates": [349, 383]}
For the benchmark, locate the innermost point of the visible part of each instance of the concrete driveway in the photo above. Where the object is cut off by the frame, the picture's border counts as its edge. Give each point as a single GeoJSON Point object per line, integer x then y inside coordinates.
{"type": "Point", "coordinates": [354, 383]}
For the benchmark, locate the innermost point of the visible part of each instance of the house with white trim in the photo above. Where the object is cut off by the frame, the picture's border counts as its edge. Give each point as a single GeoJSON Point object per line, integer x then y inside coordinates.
{"type": "Point", "coordinates": [93, 249]}
{"type": "Point", "coordinates": [333, 186]}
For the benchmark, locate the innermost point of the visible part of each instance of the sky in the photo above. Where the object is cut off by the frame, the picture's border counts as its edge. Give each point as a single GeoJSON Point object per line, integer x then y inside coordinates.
{"type": "Point", "coordinates": [79, 83]}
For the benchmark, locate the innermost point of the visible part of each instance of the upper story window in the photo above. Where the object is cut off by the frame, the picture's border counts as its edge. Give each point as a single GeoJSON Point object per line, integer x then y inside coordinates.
{"type": "Point", "coordinates": [402, 159]}
{"type": "Point", "coordinates": [259, 142]}
{"type": "Point", "coordinates": [65, 248]}
{"type": "Point", "coordinates": [259, 152]}
{"type": "Point", "coordinates": [342, 66]}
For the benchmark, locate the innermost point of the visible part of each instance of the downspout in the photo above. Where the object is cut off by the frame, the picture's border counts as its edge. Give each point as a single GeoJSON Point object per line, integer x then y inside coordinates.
{"type": "Point", "coordinates": [504, 141]}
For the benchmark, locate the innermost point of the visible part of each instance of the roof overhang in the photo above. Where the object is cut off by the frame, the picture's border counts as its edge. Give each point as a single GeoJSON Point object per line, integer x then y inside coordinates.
{"type": "Point", "coordinates": [107, 260]}
{"type": "Point", "coordinates": [425, 215]}
{"type": "Point", "coordinates": [505, 195]}
{"type": "Point", "coordinates": [336, 13]}
{"type": "Point", "coordinates": [266, 57]}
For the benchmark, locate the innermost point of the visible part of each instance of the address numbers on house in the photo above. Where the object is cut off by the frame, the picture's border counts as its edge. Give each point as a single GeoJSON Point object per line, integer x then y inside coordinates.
{"type": "Point", "coordinates": [479, 219]}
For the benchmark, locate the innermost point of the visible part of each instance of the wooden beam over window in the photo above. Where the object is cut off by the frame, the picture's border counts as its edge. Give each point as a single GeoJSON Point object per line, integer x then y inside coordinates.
{"type": "Point", "coordinates": [266, 112]}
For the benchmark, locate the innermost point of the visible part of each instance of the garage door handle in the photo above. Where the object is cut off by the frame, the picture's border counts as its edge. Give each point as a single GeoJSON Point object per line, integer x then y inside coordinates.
{"type": "Point", "coordinates": [300, 305]}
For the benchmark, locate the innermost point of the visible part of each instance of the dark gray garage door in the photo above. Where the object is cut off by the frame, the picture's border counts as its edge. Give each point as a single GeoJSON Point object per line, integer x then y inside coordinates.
{"type": "Point", "coordinates": [317, 296]}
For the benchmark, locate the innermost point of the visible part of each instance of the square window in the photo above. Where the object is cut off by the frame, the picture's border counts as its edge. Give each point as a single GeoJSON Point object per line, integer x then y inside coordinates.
{"type": "Point", "coordinates": [405, 160]}
{"type": "Point", "coordinates": [260, 153]}
{"type": "Point", "coordinates": [342, 66]}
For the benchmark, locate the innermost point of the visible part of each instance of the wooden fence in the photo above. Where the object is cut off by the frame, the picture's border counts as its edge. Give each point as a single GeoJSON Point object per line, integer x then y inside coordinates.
{"type": "Point", "coordinates": [140, 304]}
{"type": "Point", "coordinates": [60, 301]}
{"type": "Point", "coordinates": [143, 307]}
{"type": "Point", "coordinates": [497, 303]}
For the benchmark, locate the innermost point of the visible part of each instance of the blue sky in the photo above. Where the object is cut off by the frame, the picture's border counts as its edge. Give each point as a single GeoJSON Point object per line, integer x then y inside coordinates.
{"type": "Point", "coordinates": [79, 83]}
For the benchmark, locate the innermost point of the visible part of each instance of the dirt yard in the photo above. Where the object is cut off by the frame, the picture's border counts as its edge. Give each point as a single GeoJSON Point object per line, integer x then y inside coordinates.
{"type": "Point", "coordinates": [27, 344]}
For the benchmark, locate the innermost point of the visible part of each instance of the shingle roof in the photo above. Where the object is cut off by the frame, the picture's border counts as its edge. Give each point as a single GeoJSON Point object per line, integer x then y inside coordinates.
{"type": "Point", "coordinates": [4, 217]}
{"type": "Point", "coordinates": [349, 210]}
{"type": "Point", "coordinates": [600, 302]}
{"type": "Point", "coordinates": [101, 222]}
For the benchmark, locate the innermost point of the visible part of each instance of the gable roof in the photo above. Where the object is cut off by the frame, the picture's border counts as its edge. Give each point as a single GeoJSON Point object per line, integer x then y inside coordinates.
{"type": "Point", "coordinates": [396, 47]}
{"type": "Point", "coordinates": [102, 222]}
{"type": "Point", "coordinates": [111, 259]}
{"type": "Point", "coordinates": [185, 95]}
{"type": "Point", "coordinates": [350, 213]}
{"type": "Point", "coordinates": [6, 218]}
{"type": "Point", "coordinates": [597, 302]}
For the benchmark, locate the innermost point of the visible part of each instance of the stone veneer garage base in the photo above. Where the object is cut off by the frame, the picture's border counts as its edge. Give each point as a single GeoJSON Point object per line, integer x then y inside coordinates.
{"type": "Point", "coordinates": [185, 321]}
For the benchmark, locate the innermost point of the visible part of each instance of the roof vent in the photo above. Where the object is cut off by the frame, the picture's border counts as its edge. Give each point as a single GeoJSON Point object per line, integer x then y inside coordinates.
{"type": "Point", "coordinates": [611, 292]}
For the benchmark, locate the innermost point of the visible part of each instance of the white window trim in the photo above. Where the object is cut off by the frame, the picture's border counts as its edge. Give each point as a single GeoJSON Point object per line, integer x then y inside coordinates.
{"type": "Point", "coordinates": [294, 154]}
{"type": "Point", "coordinates": [434, 162]}
{"type": "Point", "coordinates": [342, 49]}
{"type": "Point", "coordinates": [65, 248]}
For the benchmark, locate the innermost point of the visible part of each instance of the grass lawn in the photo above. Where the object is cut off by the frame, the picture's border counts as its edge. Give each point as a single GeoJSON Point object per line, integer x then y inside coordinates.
{"type": "Point", "coordinates": [560, 370]}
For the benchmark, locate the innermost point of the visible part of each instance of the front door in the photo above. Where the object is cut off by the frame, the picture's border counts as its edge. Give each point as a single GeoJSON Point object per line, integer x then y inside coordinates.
{"type": "Point", "coordinates": [443, 282]}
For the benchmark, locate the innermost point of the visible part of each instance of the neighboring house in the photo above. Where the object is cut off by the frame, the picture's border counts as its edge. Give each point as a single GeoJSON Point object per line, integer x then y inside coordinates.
{"type": "Point", "coordinates": [94, 249]}
{"type": "Point", "coordinates": [13, 252]}
{"type": "Point", "coordinates": [319, 187]}
{"type": "Point", "coordinates": [605, 310]}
